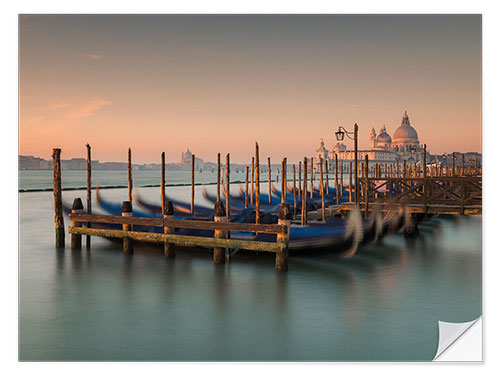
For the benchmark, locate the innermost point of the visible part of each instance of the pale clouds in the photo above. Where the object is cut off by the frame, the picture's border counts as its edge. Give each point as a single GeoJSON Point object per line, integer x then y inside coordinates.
{"type": "Point", "coordinates": [58, 106]}
{"type": "Point", "coordinates": [91, 56]}
{"type": "Point", "coordinates": [60, 115]}
{"type": "Point", "coordinates": [86, 109]}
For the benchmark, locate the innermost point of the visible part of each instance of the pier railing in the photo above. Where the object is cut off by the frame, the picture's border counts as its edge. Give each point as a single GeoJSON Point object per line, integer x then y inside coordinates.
{"type": "Point", "coordinates": [221, 242]}
{"type": "Point", "coordinates": [446, 195]}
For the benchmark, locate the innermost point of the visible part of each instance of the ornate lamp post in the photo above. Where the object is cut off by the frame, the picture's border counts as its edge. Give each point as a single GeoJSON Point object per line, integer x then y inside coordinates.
{"type": "Point", "coordinates": [352, 135]}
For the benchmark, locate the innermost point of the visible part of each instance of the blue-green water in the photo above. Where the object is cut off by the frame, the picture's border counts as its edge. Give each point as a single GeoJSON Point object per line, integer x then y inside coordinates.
{"type": "Point", "coordinates": [43, 180]}
{"type": "Point", "coordinates": [382, 304]}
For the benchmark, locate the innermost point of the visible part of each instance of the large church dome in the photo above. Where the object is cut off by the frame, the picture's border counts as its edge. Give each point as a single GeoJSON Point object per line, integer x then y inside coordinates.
{"type": "Point", "coordinates": [405, 133]}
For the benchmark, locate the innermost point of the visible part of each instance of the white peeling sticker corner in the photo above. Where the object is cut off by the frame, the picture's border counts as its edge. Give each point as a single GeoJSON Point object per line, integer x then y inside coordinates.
{"type": "Point", "coordinates": [460, 342]}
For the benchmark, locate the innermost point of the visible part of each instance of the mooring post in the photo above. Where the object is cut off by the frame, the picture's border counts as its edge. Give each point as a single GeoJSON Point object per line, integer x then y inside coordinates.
{"type": "Point", "coordinates": [304, 195]}
{"type": "Point", "coordinates": [218, 176]}
{"type": "Point", "coordinates": [246, 189]}
{"type": "Point", "coordinates": [294, 193]}
{"type": "Point", "coordinates": [300, 180]}
{"type": "Point", "coordinates": [252, 182]}
{"type": "Point", "coordinates": [76, 239]}
{"type": "Point", "coordinates": [283, 180]}
{"type": "Point", "coordinates": [257, 185]}
{"type": "Point", "coordinates": [168, 214]}
{"type": "Point", "coordinates": [228, 186]}
{"type": "Point", "coordinates": [219, 217]}
{"type": "Point", "coordinates": [162, 188]}
{"type": "Point", "coordinates": [277, 175]}
{"type": "Point", "coordinates": [350, 181]}
{"type": "Point", "coordinates": [284, 218]}
{"type": "Point", "coordinates": [322, 189]}
{"type": "Point", "coordinates": [128, 247]}
{"type": "Point", "coordinates": [341, 177]}
{"type": "Point", "coordinates": [130, 175]}
{"type": "Point", "coordinates": [192, 184]}
{"type": "Point", "coordinates": [367, 189]}
{"type": "Point", "coordinates": [453, 166]}
{"type": "Point", "coordinates": [337, 179]}
{"type": "Point", "coordinates": [312, 177]}
{"type": "Point", "coordinates": [89, 191]}
{"type": "Point", "coordinates": [327, 178]}
{"type": "Point", "coordinates": [269, 177]}
{"type": "Point", "coordinates": [425, 160]}
{"type": "Point", "coordinates": [59, 219]}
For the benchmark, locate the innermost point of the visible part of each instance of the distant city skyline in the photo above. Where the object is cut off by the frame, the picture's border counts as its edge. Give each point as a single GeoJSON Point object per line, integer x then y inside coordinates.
{"type": "Point", "coordinates": [219, 83]}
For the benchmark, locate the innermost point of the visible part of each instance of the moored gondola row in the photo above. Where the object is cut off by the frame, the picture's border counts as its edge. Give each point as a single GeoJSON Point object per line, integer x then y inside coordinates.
{"type": "Point", "coordinates": [316, 216]}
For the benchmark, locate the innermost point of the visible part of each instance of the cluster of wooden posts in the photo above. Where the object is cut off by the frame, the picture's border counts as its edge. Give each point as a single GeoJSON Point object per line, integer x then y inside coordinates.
{"type": "Point", "coordinates": [361, 186]}
{"type": "Point", "coordinates": [221, 242]}
{"type": "Point", "coordinates": [455, 189]}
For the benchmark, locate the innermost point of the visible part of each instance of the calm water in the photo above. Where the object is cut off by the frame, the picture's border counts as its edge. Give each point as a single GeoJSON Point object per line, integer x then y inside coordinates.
{"type": "Point", "coordinates": [382, 304]}
{"type": "Point", "coordinates": [43, 180]}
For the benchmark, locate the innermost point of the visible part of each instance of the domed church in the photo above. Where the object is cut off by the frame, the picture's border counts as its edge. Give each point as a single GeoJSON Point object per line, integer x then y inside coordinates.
{"type": "Point", "coordinates": [404, 142]}
{"type": "Point", "coordinates": [404, 146]}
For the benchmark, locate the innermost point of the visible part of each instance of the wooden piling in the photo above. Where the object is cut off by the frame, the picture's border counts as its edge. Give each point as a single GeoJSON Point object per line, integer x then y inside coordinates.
{"type": "Point", "coordinates": [89, 191]}
{"type": "Point", "coordinates": [252, 183]}
{"type": "Point", "coordinates": [128, 247]}
{"type": "Point", "coordinates": [425, 160]}
{"type": "Point", "coordinates": [337, 179]}
{"type": "Point", "coordinates": [162, 189]}
{"type": "Point", "coordinates": [321, 189]}
{"type": "Point", "coordinates": [463, 165]}
{"type": "Point", "coordinates": [168, 213]}
{"type": "Point", "coordinates": [350, 181]}
{"type": "Point", "coordinates": [312, 177]}
{"type": "Point", "coordinates": [453, 166]}
{"type": "Point", "coordinates": [269, 177]}
{"type": "Point", "coordinates": [257, 185]}
{"type": "Point", "coordinates": [327, 177]}
{"type": "Point", "coordinates": [219, 217]}
{"type": "Point", "coordinates": [218, 176]}
{"type": "Point", "coordinates": [59, 219]}
{"type": "Point", "coordinates": [130, 175]}
{"type": "Point", "coordinates": [76, 239]}
{"type": "Point", "coordinates": [283, 180]}
{"type": "Point", "coordinates": [304, 196]}
{"type": "Point", "coordinates": [246, 188]}
{"type": "Point", "coordinates": [284, 218]}
{"type": "Point", "coordinates": [192, 184]}
{"type": "Point", "coordinates": [341, 177]}
{"type": "Point", "coordinates": [228, 186]}
{"type": "Point", "coordinates": [294, 193]}
{"type": "Point", "coordinates": [366, 186]}
{"type": "Point", "coordinates": [300, 179]}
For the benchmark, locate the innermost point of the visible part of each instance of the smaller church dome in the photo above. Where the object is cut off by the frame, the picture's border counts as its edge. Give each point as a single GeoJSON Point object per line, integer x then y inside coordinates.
{"type": "Point", "coordinates": [384, 137]}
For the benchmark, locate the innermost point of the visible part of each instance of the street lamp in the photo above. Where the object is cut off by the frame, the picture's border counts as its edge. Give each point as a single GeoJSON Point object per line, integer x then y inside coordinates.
{"type": "Point", "coordinates": [352, 135]}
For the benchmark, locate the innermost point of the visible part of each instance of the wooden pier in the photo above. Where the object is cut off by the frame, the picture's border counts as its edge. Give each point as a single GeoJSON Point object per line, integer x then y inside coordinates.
{"type": "Point", "coordinates": [418, 189]}
{"type": "Point", "coordinates": [429, 195]}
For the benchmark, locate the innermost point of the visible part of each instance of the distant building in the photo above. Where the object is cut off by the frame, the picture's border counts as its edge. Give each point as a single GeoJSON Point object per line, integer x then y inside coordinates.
{"type": "Point", "coordinates": [186, 160]}
{"type": "Point", "coordinates": [32, 163]}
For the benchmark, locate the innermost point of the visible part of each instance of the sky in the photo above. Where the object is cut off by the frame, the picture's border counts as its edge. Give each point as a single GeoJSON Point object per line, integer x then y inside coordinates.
{"type": "Point", "coordinates": [219, 83]}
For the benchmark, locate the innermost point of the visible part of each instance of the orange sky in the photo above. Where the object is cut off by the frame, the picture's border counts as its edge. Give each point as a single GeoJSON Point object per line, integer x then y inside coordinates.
{"type": "Point", "coordinates": [220, 83]}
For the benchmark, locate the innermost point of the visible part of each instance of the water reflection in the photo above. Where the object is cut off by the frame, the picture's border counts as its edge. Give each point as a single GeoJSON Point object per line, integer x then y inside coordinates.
{"type": "Point", "coordinates": [104, 305]}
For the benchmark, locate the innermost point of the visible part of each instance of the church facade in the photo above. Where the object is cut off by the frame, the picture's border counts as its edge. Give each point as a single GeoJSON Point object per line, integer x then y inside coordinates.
{"type": "Point", "coordinates": [403, 146]}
